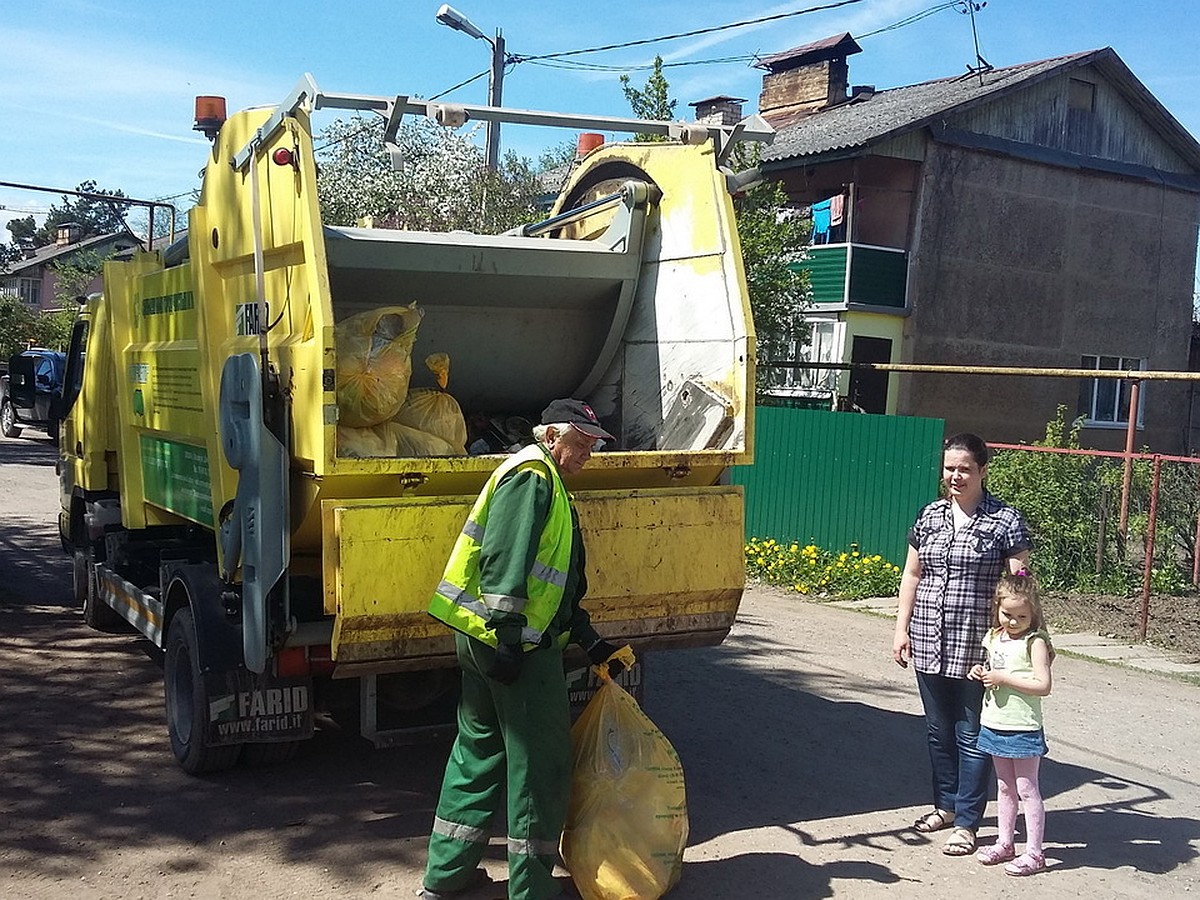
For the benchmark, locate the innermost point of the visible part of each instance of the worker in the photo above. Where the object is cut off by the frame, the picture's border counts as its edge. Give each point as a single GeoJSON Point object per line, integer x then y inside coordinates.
{"type": "Point", "coordinates": [511, 592]}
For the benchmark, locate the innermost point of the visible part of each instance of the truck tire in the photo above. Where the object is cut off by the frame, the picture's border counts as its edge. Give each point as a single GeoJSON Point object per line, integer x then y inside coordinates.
{"type": "Point", "coordinates": [96, 613]}
{"type": "Point", "coordinates": [8, 420]}
{"type": "Point", "coordinates": [187, 702]}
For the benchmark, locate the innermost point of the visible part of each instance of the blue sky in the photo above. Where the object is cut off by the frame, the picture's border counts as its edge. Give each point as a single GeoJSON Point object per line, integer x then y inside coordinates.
{"type": "Point", "coordinates": [104, 90]}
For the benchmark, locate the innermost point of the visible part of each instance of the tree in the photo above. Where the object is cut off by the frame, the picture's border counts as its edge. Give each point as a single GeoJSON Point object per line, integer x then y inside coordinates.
{"type": "Point", "coordinates": [772, 235]}
{"type": "Point", "coordinates": [651, 102]}
{"type": "Point", "coordinates": [18, 325]}
{"type": "Point", "coordinates": [442, 183]}
{"type": "Point", "coordinates": [94, 216]}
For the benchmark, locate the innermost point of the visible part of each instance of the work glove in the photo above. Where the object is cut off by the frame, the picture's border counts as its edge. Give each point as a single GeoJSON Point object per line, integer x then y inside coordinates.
{"type": "Point", "coordinates": [507, 665]}
{"type": "Point", "coordinates": [599, 654]}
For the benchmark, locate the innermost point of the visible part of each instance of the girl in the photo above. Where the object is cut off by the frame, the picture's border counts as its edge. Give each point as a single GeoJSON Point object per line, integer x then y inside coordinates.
{"type": "Point", "coordinates": [1017, 676]}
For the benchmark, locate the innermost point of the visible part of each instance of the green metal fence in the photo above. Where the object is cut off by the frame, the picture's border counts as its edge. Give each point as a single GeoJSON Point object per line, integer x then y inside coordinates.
{"type": "Point", "coordinates": [835, 478]}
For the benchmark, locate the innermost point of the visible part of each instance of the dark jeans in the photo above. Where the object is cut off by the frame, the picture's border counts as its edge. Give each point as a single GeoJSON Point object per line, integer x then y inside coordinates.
{"type": "Point", "coordinates": [961, 772]}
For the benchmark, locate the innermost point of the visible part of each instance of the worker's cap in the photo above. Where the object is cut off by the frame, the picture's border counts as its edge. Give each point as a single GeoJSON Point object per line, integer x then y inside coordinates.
{"type": "Point", "coordinates": [578, 415]}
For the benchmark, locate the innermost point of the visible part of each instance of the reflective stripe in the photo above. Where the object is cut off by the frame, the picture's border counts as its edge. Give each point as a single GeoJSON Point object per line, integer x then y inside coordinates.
{"type": "Point", "coordinates": [548, 574]}
{"type": "Point", "coordinates": [459, 597]}
{"type": "Point", "coordinates": [532, 847]}
{"type": "Point", "coordinates": [467, 833]}
{"type": "Point", "coordinates": [505, 602]}
{"type": "Point", "coordinates": [474, 531]}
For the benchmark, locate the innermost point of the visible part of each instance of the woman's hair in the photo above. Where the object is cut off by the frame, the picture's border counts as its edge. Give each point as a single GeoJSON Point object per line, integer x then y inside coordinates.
{"type": "Point", "coordinates": [971, 443]}
{"type": "Point", "coordinates": [1024, 587]}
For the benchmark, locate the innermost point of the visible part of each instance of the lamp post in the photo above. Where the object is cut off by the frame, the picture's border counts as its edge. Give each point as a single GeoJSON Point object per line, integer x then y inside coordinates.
{"type": "Point", "coordinates": [452, 18]}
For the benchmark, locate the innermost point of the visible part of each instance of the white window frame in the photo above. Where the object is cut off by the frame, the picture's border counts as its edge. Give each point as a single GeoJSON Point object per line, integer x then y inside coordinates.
{"type": "Point", "coordinates": [1109, 395]}
{"type": "Point", "coordinates": [826, 343]}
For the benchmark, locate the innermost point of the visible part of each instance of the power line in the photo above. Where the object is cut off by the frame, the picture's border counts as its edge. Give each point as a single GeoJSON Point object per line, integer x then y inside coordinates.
{"type": "Point", "coordinates": [693, 33]}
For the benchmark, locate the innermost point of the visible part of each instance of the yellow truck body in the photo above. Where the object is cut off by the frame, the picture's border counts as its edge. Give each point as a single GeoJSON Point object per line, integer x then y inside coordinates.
{"type": "Point", "coordinates": [631, 296]}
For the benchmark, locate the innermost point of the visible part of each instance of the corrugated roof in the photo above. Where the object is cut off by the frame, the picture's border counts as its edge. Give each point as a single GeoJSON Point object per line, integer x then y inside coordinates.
{"type": "Point", "coordinates": [896, 110]}
{"type": "Point", "coordinates": [858, 123]}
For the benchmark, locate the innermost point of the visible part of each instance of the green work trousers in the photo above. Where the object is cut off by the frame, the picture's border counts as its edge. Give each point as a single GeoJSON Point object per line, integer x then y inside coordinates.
{"type": "Point", "coordinates": [519, 733]}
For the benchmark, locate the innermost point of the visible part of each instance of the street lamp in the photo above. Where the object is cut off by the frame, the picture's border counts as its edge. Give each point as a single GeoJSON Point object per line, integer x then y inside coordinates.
{"type": "Point", "coordinates": [452, 18]}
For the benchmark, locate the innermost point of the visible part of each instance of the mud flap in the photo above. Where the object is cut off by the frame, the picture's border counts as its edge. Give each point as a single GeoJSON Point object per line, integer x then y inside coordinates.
{"type": "Point", "coordinates": [246, 708]}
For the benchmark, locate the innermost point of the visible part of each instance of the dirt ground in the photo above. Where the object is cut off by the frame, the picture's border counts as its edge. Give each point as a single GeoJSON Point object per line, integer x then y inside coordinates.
{"type": "Point", "coordinates": [1173, 623]}
{"type": "Point", "coordinates": [802, 744]}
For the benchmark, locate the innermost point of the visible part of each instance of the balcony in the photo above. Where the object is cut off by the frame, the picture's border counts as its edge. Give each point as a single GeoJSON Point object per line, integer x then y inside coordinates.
{"type": "Point", "coordinates": [856, 276]}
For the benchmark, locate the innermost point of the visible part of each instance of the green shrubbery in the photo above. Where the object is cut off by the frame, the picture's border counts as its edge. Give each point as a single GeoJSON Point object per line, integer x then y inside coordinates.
{"type": "Point", "coordinates": [846, 575]}
{"type": "Point", "coordinates": [1065, 497]}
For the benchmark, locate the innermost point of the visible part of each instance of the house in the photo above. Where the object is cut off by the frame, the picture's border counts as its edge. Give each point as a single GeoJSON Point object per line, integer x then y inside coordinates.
{"type": "Point", "coordinates": [34, 279]}
{"type": "Point", "coordinates": [1041, 215]}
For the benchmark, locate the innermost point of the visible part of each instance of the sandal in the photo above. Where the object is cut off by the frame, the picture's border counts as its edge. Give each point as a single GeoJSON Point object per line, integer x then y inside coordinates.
{"type": "Point", "coordinates": [996, 854]}
{"type": "Point", "coordinates": [960, 843]}
{"type": "Point", "coordinates": [1026, 864]}
{"type": "Point", "coordinates": [934, 821]}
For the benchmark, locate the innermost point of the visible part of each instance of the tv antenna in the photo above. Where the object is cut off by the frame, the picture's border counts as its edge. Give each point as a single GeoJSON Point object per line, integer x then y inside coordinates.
{"type": "Point", "coordinates": [969, 8]}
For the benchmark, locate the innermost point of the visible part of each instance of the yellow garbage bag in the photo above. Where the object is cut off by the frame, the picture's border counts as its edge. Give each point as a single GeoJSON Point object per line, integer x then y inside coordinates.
{"type": "Point", "coordinates": [627, 824]}
{"type": "Point", "coordinates": [374, 363]}
{"type": "Point", "coordinates": [364, 443]}
{"type": "Point", "coordinates": [433, 410]}
{"type": "Point", "coordinates": [407, 441]}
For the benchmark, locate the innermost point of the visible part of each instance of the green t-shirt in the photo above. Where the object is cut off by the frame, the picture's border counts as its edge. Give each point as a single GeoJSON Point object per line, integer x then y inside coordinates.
{"type": "Point", "coordinates": [1006, 708]}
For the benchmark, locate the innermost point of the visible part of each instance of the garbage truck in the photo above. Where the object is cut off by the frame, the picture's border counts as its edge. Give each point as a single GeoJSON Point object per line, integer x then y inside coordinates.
{"type": "Point", "coordinates": [215, 490]}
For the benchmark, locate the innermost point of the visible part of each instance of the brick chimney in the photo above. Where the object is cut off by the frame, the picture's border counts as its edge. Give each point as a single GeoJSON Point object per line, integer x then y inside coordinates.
{"type": "Point", "coordinates": [806, 79]}
{"type": "Point", "coordinates": [68, 233]}
{"type": "Point", "coordinates": [719, 110]}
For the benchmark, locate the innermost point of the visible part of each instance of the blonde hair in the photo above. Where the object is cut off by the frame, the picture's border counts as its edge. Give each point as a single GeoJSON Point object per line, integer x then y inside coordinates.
{"type": "Point", "coordinates": [1025, 588]}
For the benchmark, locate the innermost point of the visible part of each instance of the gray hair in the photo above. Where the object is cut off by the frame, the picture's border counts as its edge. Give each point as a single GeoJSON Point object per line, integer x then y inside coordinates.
{"type": "Point", "coordinates": [539, 431]}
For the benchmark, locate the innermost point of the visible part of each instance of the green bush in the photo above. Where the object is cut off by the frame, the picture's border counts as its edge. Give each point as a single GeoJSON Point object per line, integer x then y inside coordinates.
{"type": "Point", "coordinates": [1064, 497]}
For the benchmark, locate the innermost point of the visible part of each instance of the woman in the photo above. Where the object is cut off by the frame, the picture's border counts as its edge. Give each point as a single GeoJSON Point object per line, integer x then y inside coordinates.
{"type": "Point", "coordinates": [958, 548]}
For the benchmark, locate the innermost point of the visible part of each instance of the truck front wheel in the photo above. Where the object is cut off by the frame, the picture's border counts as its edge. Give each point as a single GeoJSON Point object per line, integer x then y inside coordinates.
{"type": "Point", "coordinates": [187, 702]}
{"type": "Point", "coordinates": [8, 420]}
{"type": "Point", "coordinates": [96, 613]}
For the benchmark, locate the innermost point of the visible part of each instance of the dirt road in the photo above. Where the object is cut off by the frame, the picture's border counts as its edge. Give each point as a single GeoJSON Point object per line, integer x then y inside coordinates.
{"type": "Point", "coordinates": [801, 740]}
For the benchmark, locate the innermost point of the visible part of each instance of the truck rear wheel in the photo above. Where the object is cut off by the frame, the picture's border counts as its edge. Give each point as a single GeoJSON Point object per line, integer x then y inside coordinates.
{"type": "Point", "coordinates": [96, 613]}
{"type": "Point", "coordinates": [8, 420]}
{"type": "Point", "coordinates": [187, 702]}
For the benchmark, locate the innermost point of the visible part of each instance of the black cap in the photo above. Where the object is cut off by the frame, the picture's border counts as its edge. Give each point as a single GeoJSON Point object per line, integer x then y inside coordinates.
{"type": "Point", "coordinates": [578, 415]}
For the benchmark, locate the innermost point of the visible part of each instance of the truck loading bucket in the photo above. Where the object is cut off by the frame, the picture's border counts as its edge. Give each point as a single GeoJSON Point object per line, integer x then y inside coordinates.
{"type": "Point", "coordinates": [664, 569]}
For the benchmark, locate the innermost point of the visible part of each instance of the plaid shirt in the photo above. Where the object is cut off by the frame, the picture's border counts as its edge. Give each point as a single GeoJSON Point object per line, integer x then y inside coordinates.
{"type": "Point", "coordinates": [959, 572]}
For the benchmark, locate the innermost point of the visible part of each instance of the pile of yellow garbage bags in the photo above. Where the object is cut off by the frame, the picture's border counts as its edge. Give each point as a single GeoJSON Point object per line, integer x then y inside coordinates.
{"type": "Point", "coordinates": [378, 415]}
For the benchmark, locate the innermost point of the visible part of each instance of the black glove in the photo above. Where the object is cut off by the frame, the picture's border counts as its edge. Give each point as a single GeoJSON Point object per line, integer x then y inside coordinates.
{"type": "Point", "coordinates": [600, 652]}
{"type": "Point", "coordinates": [507, 665]}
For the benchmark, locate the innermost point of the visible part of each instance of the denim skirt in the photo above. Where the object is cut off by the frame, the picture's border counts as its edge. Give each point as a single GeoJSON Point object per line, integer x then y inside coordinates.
{"type": "Point", "coordinates": [1012, 744]}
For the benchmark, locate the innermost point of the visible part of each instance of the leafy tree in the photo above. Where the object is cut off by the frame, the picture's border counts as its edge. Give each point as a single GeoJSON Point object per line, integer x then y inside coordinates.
{"type": "Point", "coordinates": [772, 236]}
{"type": "Point", "coordinates": [94, 216]}
{"type": "Point", "coordinates": [442, 183]}
{"type": "Point", "coordinates": [22, 230]}
{"type": "Point", "coordinates": [561, 154]}
{"type": "Point", "coordinates": [18, 325]}
{"type": "Point", "coordinates": [652, 101]}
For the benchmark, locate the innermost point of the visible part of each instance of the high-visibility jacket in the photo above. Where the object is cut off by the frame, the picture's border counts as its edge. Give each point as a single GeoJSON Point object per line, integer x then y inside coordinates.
{"type": "Point", "coordinates": [458, 601]}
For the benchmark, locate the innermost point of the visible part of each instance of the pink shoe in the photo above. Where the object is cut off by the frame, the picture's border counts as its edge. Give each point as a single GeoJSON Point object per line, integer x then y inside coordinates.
{"type": "Point", "coordinates": [1026, 864]}
{"type": "Point", "coordinates": [996, 854]}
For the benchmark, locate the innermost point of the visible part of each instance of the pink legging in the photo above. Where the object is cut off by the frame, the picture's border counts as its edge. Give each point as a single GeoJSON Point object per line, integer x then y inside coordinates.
{"type": "Point", "coordinates": [1018, 778]}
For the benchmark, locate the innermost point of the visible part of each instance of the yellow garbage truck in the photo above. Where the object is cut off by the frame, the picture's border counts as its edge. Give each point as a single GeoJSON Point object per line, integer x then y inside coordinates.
{"type": "Point", "coordinates": [211, 495]}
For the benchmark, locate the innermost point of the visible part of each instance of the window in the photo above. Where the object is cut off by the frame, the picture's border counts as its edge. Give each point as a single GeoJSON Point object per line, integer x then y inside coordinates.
{"type": "Point", "coordinates": [825, 342]}
{"type": "Point", "coordinates": [1081, 95]}
{"type": "Point", "coordinates": [30, 290]}
{"type": "Point", "coordinates": [1105, 401]}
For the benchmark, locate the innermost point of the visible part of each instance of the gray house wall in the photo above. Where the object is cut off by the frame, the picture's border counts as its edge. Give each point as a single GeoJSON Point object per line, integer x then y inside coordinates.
{"type": "Point", "coordinates": [1021, 263]}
